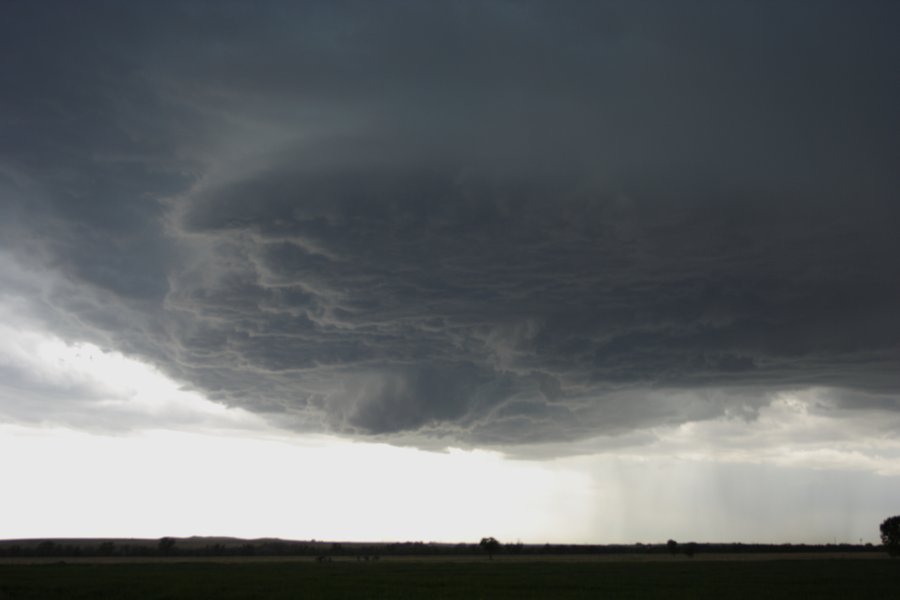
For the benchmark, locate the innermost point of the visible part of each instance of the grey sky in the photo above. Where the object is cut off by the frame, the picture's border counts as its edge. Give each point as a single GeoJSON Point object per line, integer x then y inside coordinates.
{"type": "Point", "coordinates": [493, 223]}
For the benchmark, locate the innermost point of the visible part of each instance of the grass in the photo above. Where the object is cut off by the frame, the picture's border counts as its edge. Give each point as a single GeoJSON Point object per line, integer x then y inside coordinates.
{"type": "Point", "coordinates": [820, 578]}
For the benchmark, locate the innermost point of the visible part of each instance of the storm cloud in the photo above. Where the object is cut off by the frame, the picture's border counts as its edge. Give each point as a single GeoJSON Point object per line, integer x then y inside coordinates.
{"type": "Point", "coordinates": [480, 222]}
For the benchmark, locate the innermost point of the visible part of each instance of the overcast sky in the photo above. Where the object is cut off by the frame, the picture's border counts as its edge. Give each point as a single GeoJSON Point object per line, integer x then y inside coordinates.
{"type": "Point", "coordinates": [631, 270]}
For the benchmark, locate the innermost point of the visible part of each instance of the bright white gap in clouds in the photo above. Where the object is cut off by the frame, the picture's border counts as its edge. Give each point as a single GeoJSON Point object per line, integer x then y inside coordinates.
{"type": "Point", "coordinates": [798, 429]}
{"type": "Point", "coordinates": [156, 483]}
{"type": "Point", "coordinates": [131, 454]}
{"type": "Point", "coordinates": [54, 382]}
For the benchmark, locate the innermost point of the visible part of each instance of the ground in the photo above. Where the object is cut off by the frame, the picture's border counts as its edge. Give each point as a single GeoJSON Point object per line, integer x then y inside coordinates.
{"type": "Point", "coordinates": [758, 576]}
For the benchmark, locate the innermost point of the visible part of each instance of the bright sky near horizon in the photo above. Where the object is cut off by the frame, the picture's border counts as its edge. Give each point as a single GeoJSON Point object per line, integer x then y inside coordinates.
{"type": "Point", "coordinates": [599, 272]}
{"type": "Point", "coordinates": [202, 469]}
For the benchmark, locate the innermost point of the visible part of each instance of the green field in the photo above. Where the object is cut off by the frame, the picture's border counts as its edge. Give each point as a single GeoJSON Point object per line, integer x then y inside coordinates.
{"type": "Point", "coordinates": [435, 579]}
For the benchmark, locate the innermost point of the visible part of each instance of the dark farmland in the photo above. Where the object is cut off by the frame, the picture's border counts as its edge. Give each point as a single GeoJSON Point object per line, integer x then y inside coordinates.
{"type": "Point", "coordinates": [760, 576]}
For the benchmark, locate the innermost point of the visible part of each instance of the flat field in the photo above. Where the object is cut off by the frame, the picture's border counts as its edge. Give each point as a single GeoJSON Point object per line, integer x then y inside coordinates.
{"type": "Point", "coordinates": [434, 579]}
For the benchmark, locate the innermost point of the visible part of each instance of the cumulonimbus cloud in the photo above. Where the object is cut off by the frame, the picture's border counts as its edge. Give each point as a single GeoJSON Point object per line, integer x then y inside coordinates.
{"type": "Point", "coordinates": [489, 222]}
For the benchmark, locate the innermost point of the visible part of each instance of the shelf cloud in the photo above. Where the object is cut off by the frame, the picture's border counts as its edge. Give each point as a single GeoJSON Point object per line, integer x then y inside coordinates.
{"type": "Point", "coordinates": [488, 223]}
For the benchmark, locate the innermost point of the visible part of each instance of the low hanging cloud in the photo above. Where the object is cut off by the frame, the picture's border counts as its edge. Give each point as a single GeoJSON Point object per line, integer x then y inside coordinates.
{"type": "Point", "coordinates": [492, 223]}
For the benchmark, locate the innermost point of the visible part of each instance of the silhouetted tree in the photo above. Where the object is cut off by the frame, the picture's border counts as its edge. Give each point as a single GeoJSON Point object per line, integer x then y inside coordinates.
{"type": "Point", "coordinates": [672, 545]}
{"type": "Point", "coordinates": [690, 549]}
{"type": "Point", "coordinates": [166, 545]}
{"type": "Point", "coordinates": [514, 548]}
{"type": "Point", "coordinates": [106, 549]}
{"type": "Point", "coordinates": [46, 548]}
{"type": "Point", "coordinates": [489, 545]}
{"type": "Point", "coordinates": [890, 535]}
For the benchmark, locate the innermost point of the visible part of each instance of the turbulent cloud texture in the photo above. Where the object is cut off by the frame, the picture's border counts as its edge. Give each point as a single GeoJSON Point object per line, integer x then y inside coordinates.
{"type": "Point", "coordinates": [489, 222]}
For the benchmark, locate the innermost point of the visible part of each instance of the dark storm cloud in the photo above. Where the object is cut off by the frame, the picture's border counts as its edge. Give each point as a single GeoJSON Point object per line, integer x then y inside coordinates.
{"type": "Point", "coordinates": [495, 222]}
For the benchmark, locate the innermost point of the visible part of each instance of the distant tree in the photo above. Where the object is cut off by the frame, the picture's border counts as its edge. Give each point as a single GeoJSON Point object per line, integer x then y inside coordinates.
{"type": "Point", "coordinates": [489, 545]}
{"type": "Point", "coordinates": [166, 545]}
{"type": "Point", "coordinates": [690, 549]}
{"type": "Point", "coordinates": [46, 548]}
{"type": "Point", "coordinates": [106, 549]}
{"type": "Point", "coordinates": [890, 535]}
{"type": "Point", "coordinates": [672, 545]}
{"type": "Point", "coordinates": [514, 548]}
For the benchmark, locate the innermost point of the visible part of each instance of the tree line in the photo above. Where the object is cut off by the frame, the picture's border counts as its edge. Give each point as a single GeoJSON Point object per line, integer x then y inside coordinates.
{"type": "Point", "coordinates": [175, 547]}
{"type": "Point", "coordinates": [889, 531]}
